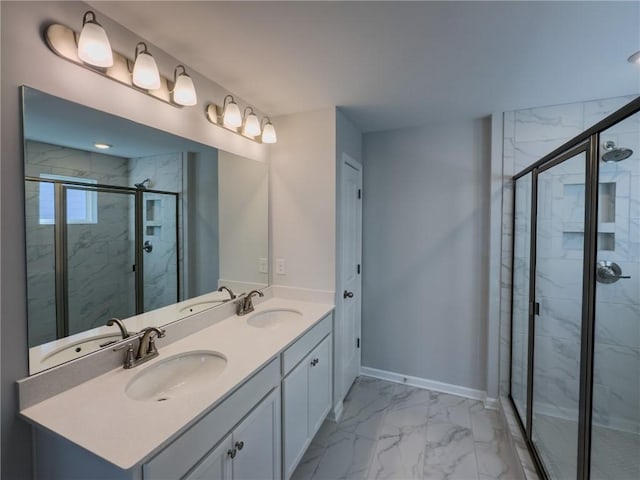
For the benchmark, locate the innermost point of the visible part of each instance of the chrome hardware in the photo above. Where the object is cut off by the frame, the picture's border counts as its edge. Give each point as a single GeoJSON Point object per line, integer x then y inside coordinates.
{"type": "Point", "coordinates": [147, 246]}
{"type": "Point", "coordinates": [120, 324]}
{"type": "Point", "coordinates": [245, 304]}
{"type": "Point", "coordinates": [239, 445]}
{"type": "Point", "coordinates": [232, 453]}
{"type": "Point", "coordinates": [231, 294]}
{"type": "Point", "coordinates": [146, 347]}
{"type": "Point", "coordinates": [347, 294]}
{"type": "Point", "coordinates": [609, 272]}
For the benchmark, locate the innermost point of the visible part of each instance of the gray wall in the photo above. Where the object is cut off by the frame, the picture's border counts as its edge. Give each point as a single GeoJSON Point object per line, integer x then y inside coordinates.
{"type": "Point", "coordinates": [27, 60]}
{"type": "Point", "coordinates": [425, 244]}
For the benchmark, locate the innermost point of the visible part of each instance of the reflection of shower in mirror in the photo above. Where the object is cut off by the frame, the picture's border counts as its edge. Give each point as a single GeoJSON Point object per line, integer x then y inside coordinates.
{"type": "Point", "coordinates": [142, 184]}
{"type": "Point", "coordinates": [613, 153]}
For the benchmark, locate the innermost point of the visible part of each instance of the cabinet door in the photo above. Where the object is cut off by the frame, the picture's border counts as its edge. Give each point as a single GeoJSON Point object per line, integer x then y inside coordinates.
{"type": "Point", "coordinates": [295, 398]}
{"type": "Point", "coordinates": [257, 442]}
{"type": "Point", "coordinates": [216, 465]}
{"type": "Point", "coordinates": [319, 384]}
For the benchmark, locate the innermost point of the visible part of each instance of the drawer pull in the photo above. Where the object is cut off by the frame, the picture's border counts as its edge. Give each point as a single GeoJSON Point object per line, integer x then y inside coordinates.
{"type": "Point", "coordinates": [239, 445]}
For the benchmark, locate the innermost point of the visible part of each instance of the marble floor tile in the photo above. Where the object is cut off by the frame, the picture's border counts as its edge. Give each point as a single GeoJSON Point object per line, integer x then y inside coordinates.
{"type": "Point", "coordinates": [450, 453]}
{"type": "Point", "coordinates": [445, 408]}
{"type": "Point", "coordinates": [347, 456]}
{"type": "Point", "coordinates": [398, 432]}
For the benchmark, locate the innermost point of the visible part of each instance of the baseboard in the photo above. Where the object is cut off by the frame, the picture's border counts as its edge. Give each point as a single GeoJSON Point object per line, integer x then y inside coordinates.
{"type": "Point", "coordinates": [491, 403]}
{"type": "Point", "coordinates": [336, 412]}
{"type": "Point", "coordinates": [427, 384]}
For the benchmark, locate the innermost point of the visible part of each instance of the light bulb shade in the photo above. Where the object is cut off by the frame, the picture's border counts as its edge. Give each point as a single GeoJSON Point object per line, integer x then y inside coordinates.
{"type": "Point", "coordinates": [251, 125]}
{"type": "Point", "coordinates": [232, 116]}
{"type": "Point", "coordinates": [93, 45]}
{"type": "Point", "coordinates": [145, 70]}
{"type": "Point", "coordinates": [184, 92]}
{"type": "Point", "coordinates": [269, 134]}
{"type": "Point", "coordinates": [635, 58]}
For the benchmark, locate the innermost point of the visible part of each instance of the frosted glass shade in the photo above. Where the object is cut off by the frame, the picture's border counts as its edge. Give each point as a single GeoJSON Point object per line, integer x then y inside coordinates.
{"type": "Point", "coordinates": [269, 134]}
{"type": "Point", "coordinates": [94, 47]}
{"type": "Point", "coordinates": [184, 92]}
{"type": "Point", "coordinates": [232, 116]}
{"type": "Point", "coordinates": [635, 58]}
{"type": "Point", "coordinates": [251, 125]}
{"type": "Point", "coordinates": [145, 72]}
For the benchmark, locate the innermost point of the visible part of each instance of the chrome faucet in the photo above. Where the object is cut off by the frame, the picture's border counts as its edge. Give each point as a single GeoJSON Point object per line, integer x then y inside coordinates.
{"type": "Point", "coordinates": [245, 304]}
{"type": "Point", "coordinates": [146, 348]}
{"type": "Point", "coordinates": [120, 324]}
{"type": "Point", "coordinates": [231, 294]}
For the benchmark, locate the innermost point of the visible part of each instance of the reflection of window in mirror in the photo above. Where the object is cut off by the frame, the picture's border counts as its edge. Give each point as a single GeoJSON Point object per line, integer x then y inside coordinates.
{"type": "Point", "coordinates": [82, 205]}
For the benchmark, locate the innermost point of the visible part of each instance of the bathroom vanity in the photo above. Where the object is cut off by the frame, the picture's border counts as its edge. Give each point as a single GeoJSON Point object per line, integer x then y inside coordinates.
{"type": "Point", "coordinates": [254, 417]}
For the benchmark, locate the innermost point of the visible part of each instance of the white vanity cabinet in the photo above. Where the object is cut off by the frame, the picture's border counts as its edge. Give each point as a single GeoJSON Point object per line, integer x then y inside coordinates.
{"type": "Point", "coordinates": [250, 451]}
{"type": "Point", "coordinates": [306, 393]}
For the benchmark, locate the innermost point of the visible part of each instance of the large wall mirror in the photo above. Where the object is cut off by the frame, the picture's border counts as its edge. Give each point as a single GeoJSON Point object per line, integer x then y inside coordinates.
{"type": "Point", "coordinates": [123, 220]}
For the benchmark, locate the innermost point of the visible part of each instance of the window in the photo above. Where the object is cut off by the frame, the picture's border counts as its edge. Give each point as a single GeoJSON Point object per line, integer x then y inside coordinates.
{"type": "Point", "coordinates": [82, 205]}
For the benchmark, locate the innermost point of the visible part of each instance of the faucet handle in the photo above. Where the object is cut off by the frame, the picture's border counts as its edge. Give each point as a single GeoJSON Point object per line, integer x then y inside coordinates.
{"type": "Point", "coordinates": [130, 358]}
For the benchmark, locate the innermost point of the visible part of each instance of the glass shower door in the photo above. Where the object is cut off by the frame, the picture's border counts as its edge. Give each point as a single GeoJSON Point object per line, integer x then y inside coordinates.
{"type": "Point", "coordinates": [159, 250]}
{"type": "Point", "coordinates": [615, 434]}
{"type": "Point", "coordinates": [99, 255]}
{"type": "Point", "coordinates": [559, 237]}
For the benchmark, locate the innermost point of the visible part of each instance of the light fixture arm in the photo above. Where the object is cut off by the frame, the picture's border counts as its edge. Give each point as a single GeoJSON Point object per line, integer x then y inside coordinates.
{"type": "Point", "coordinates": [224, 104]}
{"type": "Point", "coordinates": [85, 20]}
{"type": "Point", "coordinates": [262, 123]}
{"type": "Point", "coordinates": [175, 73]}
{"type": "Point", "coordinates": [138, 52]}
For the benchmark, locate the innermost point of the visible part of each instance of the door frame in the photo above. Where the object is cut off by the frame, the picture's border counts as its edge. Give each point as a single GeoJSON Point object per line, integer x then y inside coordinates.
{"type": "Point", "coordinates": [347, 162]}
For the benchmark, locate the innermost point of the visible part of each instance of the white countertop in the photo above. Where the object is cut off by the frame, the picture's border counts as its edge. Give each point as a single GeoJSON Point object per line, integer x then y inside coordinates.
{"type": "Point", "coordinates": [98, 416]}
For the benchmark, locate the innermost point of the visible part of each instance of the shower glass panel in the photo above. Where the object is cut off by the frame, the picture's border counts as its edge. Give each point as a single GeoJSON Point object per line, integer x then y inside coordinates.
{"type": "Point", "coordinates": [41, 261]}
{"type": "Point", "coordinates": [558, 313]}
{"type": "Point", "coordinates": [615, 435]}
{"type": "Point", "coordinates": [99, 255]}
{"type": "Point", "coordinates": [520, 304]}
{"type": "Point", "coordinates": [159, 250]}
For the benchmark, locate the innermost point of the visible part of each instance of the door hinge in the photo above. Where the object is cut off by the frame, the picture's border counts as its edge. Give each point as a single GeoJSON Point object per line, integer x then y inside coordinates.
{"type": "Point", "coordinates": [534, 308]}
{"type": "Point", "coordinates": [359, 193]}
{"type": "Point", "coordinates": [133, 267]}
{"type": "Point", "coordinates": [358, 269]}
{"type": "Point", "coordinates": [358, 342]}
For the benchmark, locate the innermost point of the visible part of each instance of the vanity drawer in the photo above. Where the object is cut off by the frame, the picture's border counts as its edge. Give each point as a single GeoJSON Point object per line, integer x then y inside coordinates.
{"type": "Point", "coordinates": [182, 454]}
{"type": "Point", "coordinates": [296, 352]}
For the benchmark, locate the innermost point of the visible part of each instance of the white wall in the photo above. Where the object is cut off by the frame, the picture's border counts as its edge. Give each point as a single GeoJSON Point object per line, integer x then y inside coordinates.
{"type": "Point", "coordinates": [303, 184]}
{"type": "Point", "coordinates": [243, 221]}
{"type": "Point", "coordinates": [425, 248]}
{"type": "Point", "coordinates": [27, 60]}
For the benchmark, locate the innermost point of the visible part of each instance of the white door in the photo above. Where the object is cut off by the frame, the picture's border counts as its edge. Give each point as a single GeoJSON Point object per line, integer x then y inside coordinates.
{"type": "Point", "coordinates": [350, 268]}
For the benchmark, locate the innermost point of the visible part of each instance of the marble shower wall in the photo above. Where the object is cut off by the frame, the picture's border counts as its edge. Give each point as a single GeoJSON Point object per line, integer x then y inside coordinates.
{"type": "Point", "coordinates": [105, 238]}
{"type": "Point", "coordinates": [528, 136]}
{"type": "Point", "coordinates": [159, 226]}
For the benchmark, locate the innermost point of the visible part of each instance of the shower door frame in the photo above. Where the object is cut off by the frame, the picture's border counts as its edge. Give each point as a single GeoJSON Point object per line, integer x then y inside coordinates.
{"type": "Point", "coordinates": [60, 242]}
{"type": "Point", "coordinates": [588, 142]}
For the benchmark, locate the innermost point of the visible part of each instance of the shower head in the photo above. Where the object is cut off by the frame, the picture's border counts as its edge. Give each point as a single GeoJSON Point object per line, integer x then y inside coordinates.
{"type": "Point", "coordinates": [142, 185]}
{"type": "Point", "coordinates": [615, 154]}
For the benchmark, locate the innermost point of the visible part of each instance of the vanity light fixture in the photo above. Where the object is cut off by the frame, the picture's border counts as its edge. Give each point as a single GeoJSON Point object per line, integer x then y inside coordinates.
{"type": "Point", "coordinates": [268, 132]}
{"type": "Point", "coordinates": [145, 70]}
{"type": "Point", "coordinates": [635, 58]}
{"type": "Point", "coordinates": [102, 146]}
{"type": "Point", "coordinates": [184, 92]}
{"type": "Point", "coordinates": [93, 45]}
{"type": "Point", "coordinates": [250, 123]}
{"type": "Point", "coordinates": [231, 116]}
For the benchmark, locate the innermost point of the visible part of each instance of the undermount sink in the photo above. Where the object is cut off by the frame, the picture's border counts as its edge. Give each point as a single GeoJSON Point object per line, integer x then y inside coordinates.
{"type": "Point", "coordinates": [176, 376]}
{"type": "Point", "coordinates": [273, 318]}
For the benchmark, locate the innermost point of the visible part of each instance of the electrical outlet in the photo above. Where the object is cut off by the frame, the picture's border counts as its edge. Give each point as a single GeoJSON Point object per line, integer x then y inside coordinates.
{"type": "Point", "coordinates": [263, 265]}
{"type": "Point", "coordinates": [280, 268]}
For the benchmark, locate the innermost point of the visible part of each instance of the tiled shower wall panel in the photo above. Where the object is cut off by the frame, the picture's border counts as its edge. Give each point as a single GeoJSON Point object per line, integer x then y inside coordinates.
{"type": "Point", "coordinates": [528, 136]}
{"type": "Point", "coordinates": [105, 169]}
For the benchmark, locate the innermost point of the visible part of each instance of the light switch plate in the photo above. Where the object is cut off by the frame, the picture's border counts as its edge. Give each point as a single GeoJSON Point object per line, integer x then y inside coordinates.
{"type": "Point", "coordinates": [263, 265]}
{"type": "Point", "coordinates": [280, 268]}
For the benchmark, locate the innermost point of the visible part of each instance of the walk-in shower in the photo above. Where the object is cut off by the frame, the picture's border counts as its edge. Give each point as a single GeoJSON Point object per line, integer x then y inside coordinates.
{"type": "Point", "coordinates": [575, 332]}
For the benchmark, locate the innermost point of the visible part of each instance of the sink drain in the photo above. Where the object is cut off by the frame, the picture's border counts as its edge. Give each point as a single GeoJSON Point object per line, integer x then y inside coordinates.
{"type": "Point", "coordinates": [162, 399]}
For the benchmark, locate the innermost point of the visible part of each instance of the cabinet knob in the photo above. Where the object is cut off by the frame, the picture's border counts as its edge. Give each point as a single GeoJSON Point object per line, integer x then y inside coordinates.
{"type": "Point", "coordinates": [232, 453]}
{"type": "Point", "coordinates": [239, 445]}
{"type": "Point", "coordinates": [314, 362]}
{"type": "Point", "coordinates": [347, 294]}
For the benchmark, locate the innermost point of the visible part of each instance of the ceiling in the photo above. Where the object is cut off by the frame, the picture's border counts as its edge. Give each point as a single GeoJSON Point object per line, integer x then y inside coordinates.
{"type": "Point", "coordinates": [396, 64]}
